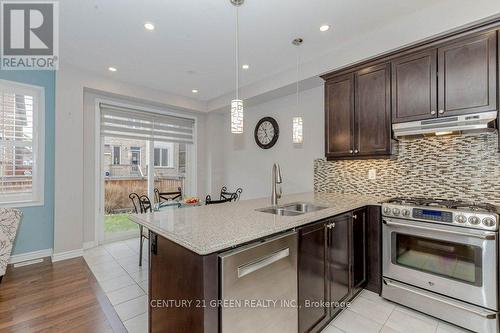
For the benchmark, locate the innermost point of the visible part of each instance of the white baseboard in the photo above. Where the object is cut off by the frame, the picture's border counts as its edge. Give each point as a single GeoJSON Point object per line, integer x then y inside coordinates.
{"type": "Point", "coordinates": [67, 255]}
{"type": "Point", "coordinates": [89, 245]}
{"type": "Point", "coordinates": [16, 258]}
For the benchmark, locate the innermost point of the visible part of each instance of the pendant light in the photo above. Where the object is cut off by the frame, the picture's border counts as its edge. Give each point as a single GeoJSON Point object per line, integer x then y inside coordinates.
{"type": "Point", "coordinates": [297, 122]}
{"type": "Point", "coordinates": [237, 104]}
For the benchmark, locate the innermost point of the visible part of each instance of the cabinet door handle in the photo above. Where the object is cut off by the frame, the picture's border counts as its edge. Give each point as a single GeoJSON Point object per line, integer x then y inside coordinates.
{"type": "Point", "coordinates": [433, 112]}
{"type": "Point", "coordinates": [441, 111]}
{"type": "Point", "coordinates": [355, 216]}
{"type": "Point", "coordinates": [351, 151]}
{"type": "Point", "coordinates": [356, 151]}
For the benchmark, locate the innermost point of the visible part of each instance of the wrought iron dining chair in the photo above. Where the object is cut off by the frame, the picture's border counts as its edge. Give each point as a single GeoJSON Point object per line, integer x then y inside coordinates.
{"type": "Point", "coordinates": [209, 201]}
{"type": "Point", "coordinates": [225, 194]}
{"type": "Point", "coordinates": [168, 198]}
{"type": "Point", "coordinates": [142, 204]}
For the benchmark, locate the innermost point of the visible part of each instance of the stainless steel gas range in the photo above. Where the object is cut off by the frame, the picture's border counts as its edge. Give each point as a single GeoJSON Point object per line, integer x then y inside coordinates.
{"type": "Point", "coordinates": [441, 257]}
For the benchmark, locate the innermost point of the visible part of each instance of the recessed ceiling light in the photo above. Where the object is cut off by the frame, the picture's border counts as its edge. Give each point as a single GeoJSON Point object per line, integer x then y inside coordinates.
{"type": "Point", "coordinates": [112, 69]}
{"type": "Point", "coordinates": [324, 27]}
{"type": "Point", "coordinates": [194, 91]}
{"type": "Point", "coordinates": [245, 66]}
{"type": "Point", "coordinates": [149, 26]}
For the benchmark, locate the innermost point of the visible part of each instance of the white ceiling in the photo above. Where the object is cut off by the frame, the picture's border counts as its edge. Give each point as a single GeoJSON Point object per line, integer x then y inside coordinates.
{"type": "Point", "coordinates": [193, 44]}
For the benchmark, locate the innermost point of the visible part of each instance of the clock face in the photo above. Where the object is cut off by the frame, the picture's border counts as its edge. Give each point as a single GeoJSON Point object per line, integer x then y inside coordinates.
{"type": "Point", "coordinates": [266, 132]}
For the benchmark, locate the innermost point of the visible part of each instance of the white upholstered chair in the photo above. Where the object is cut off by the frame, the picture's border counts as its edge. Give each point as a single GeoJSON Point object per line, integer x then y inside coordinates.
{"type": "Point", "coordinates": [9, 222]}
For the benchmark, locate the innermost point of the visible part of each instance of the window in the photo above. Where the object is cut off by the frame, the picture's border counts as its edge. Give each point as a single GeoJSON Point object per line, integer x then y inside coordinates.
{"type": "Point", "coordinates": [182, 157]}
{"type": "Point", "coordinates": [116, 155]}
{"type": "Point", "coordinates": [135, 155]}
{"type": "Point", "coordinates": [22, 140]}
{"type": "Point", "coordinates": [162, 157]}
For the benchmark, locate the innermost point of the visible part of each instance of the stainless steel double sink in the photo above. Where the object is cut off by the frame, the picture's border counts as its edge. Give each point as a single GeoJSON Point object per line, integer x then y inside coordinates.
{"type": "Point", "coordinates": [292, 209]}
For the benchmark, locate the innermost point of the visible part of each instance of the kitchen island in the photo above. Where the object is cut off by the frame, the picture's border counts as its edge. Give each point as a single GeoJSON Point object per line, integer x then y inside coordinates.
{"type": "Point", "coordinates": [186, 247]}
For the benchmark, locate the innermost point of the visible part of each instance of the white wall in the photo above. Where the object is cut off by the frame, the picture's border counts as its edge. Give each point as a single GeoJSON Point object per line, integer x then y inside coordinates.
{"type": "Point", "coordinates": [248, 166]}
{"type": "Point", "coordinates": [74, 209]}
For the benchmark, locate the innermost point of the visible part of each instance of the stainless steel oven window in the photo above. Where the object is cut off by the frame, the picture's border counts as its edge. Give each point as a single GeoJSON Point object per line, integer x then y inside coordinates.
{"type": "Point", "coordinates": [456, 261]}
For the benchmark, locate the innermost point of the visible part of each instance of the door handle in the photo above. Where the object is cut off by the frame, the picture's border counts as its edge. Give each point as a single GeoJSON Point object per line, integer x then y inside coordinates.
{"type": "Point", "coordinates": [351, 151]}
{"type": "Point", "coordinates": [433, 112]}
{"type": "Point", "coordinates": [487, 236]}
{"type": "Point", "coordinates": [262, 262]}
{"type": "Point", "coordinates": [441, 111]}
{"type": "Point", "coordinates": [356, 151]}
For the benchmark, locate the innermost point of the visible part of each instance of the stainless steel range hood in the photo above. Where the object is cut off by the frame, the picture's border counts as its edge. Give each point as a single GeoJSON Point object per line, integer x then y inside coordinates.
{"type": "Point", "coordinates": [483, 121]}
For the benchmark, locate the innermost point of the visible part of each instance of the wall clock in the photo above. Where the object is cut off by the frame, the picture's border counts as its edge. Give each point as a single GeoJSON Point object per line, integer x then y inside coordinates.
{"type": "Point", "coordinates": [266, 132]}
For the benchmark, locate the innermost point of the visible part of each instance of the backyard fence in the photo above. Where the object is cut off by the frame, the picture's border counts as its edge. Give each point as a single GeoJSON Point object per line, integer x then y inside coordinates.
{"type": "Point", "coordinates": [117, 190]}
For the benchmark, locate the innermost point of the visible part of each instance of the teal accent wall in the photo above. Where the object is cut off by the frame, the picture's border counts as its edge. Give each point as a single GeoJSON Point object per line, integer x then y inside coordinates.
{"type": "Point", "coordinates": [36, 231]}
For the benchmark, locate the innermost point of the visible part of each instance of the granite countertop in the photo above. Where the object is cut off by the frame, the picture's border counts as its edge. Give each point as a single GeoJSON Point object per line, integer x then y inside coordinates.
{"type": "Point", "coordinates": [212, 228]}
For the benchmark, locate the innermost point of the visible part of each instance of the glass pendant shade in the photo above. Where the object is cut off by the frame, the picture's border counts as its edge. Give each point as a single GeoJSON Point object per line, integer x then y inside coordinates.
{"type": "Point", "coordinates": [236, 116]}
{"type": "Point", "coordinates": [298, 130]}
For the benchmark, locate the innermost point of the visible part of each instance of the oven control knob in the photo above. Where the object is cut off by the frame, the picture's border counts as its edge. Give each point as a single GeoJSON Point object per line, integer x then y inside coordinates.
{"type": "Point", "coordinates": [387, 210]}
{"type": "Point", "coordinates": [396, 211]}
{"type": "Point", "coordinates": [489, 222]}
{"type": "Point", "coordinates": [461, 219]}
{"type": "Point", "coordinates": [474, 220]}
{"type": "Point", "coordinates": [406, 212]}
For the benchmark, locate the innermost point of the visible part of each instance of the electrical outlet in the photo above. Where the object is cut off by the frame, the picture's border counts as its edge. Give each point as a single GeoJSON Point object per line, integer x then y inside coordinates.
{"type": "Point", "coordinates": [372, 174]}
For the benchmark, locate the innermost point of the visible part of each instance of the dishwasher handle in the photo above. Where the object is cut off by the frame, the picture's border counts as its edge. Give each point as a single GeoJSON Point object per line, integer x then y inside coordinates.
{"type": "Point", "coordinates": [262, 262]}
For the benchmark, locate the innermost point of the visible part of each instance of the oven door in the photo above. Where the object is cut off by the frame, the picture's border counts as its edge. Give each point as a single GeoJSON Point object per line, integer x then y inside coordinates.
{"type": "Point", "coordinates": [452, 261]}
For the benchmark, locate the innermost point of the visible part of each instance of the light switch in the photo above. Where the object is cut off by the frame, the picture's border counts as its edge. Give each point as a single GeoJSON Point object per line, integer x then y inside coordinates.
{"type": "Point", "coordinates": [372, 174]}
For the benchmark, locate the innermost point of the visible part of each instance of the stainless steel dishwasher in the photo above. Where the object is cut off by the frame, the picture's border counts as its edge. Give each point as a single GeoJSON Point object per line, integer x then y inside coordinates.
{"type": "Point", "coordinates": [259, 287]}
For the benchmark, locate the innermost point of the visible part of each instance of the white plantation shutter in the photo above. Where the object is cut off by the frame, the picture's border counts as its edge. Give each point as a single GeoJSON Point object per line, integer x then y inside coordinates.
{"type": "Point", "coordinates": [135, 124]}
{"type": "Point", "coordinates": [20, 172]}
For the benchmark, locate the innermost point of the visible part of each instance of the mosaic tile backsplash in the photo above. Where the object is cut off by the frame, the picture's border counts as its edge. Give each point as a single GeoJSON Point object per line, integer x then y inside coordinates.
{"type": "Point", "coordinates": [463, 167]}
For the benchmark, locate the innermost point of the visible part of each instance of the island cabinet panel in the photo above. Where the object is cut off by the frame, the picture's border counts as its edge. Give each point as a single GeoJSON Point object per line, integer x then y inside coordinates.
{"type": "Point", "coordinates": [468, 75]}
{"type": "Point", "coordinates": [181, 286]}
{"type": "Point", "coordinates": [414, 87]}
{"type": "Point", "coordinates": [313, 283]}
{"type": "Point", "coordinates": [339, 116]}
{"type": "Point", "coordinates": [372, 111]}
{"type": "Point", "coordinates": [338, 260]}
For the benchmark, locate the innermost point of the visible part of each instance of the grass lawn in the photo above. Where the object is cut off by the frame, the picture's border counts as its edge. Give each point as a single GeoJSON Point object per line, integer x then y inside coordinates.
{"type": "Point", "coordinates": [118, 223]}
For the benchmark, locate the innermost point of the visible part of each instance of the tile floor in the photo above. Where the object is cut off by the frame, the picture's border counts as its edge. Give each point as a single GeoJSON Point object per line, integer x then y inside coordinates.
{"type": "Point", "coordinates": [371, 313]}
{"type": "Point", "coordinates": [116, 268]}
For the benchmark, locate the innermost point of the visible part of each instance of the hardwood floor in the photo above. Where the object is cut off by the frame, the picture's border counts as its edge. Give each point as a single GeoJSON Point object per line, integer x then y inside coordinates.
{"type": "Point", "coordinates": [55, 297]}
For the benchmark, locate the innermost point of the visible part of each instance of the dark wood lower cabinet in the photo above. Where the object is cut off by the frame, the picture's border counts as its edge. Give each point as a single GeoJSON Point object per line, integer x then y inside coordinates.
{"type": "Point", "coordinates": [374, 249]}
{"type": "Point", "coordinates": [338, 260]}
{"type": "Point", "coordinates": [358, 249]}
{"type": "Point", "coordinates": [313, 283]}
{"type": "Point", "coordinates": [338, 257]}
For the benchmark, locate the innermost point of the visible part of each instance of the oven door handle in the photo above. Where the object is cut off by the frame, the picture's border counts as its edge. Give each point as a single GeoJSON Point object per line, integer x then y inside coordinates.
{"type": "Point", "coordinates": [487, 236]}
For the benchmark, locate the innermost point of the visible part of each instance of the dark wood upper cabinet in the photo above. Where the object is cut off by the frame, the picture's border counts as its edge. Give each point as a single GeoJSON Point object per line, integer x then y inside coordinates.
{"type": "Point", "coordinates": [372, 111]}
{"type": "Point", "coordinates": [467, 80]}
{"type": "Point", "coordinates": [338, 259]}
{"type": "Point", "coordinates": [339, 116]}
{"type": "Point", "coordinates": [414, 87]}
{"type": "Point", "coordinates": [358, 114]}
{"type": "Point", "coordinates": [312, 277]}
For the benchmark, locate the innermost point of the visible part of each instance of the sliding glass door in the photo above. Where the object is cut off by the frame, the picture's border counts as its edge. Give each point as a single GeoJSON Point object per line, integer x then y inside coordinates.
{"type": "Point", "coordinates": [141, 152]}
